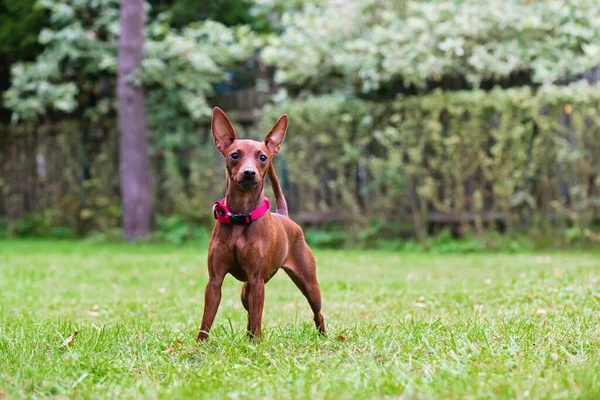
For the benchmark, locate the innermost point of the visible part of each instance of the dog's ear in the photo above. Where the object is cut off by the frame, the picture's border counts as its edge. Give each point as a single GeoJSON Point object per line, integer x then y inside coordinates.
{"type": "Point", "coordinates": [277, 134]}
{"type": "Point", "coordinates": [222, 130]}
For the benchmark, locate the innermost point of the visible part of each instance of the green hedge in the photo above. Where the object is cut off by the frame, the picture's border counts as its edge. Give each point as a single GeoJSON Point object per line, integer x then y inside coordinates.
{"type": "Point", "coordinates": [519, 158]}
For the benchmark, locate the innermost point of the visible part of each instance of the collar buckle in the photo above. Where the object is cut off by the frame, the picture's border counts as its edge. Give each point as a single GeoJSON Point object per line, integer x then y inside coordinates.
{"type": "Point", "coordinates": [240, 219]}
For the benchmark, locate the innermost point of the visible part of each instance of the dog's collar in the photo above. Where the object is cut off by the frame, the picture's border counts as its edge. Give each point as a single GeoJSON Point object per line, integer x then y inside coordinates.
{"type": "Point", "coordinates": [224, 216]}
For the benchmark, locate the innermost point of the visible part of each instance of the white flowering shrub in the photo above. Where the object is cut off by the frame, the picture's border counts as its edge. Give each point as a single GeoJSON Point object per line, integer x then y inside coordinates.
{"type": "Point", "coordinates": [362, 45]}
{"type": "Point", "coordinates": [76, 72]}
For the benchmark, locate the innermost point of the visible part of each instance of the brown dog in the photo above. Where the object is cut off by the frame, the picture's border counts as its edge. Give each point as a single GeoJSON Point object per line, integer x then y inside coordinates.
{"type": "Point", "coordinates": [248, 241]}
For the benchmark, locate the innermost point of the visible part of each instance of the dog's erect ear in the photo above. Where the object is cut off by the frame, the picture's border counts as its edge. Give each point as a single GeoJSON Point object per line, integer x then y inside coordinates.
{"type": "Point", "coordinates": [277, 134]}
{"type": "Point", "coordinates": [222, 130]}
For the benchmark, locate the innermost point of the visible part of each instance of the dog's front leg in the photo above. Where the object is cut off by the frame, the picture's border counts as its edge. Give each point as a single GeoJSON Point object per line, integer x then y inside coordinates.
{"type": "Point", "coordinates": [212, 298]}
{"type": "Point", "coordinates": [256, 301]}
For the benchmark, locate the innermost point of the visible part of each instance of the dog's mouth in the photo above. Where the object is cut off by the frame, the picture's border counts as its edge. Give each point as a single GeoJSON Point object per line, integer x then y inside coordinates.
{"type": "Point", "coordinates": [247, 184]}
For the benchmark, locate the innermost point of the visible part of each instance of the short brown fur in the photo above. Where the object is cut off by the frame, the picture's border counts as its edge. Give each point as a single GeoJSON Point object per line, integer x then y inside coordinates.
{"type": "Point", "coordinates": [253, 253]}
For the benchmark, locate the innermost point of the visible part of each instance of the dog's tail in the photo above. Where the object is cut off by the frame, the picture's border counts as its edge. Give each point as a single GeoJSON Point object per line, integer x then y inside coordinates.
{"type": "Point", "coordinates": [280, 204]}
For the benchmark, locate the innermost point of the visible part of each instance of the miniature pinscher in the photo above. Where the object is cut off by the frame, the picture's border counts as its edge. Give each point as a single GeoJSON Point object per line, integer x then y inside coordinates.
{"type": "Point", "coordinates": [248, 241]}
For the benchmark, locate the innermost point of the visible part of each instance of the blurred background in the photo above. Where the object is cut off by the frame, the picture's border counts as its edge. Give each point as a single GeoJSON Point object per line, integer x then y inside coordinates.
{"type": "Point", "coordinates": [413, 124]}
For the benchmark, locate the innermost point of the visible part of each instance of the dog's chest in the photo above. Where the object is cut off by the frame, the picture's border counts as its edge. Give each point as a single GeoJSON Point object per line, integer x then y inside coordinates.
{"type": "Point", "coordinates": [243, 247]}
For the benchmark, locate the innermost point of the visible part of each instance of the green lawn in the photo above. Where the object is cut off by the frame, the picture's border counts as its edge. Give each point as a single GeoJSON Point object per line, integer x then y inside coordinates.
{"type": "Point", "coordinates": [400, 325]}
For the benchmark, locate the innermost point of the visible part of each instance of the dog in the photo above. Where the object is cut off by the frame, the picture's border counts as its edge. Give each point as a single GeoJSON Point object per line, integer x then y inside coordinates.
{"type": "Point", "coordinates": [248, 241]}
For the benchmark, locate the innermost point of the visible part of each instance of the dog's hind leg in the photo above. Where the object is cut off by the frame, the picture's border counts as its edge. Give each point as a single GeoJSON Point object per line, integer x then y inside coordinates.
{"type": "Point", "coordinates": [302, 270]}
{"type": "Point", "coordinates": [245, 303]}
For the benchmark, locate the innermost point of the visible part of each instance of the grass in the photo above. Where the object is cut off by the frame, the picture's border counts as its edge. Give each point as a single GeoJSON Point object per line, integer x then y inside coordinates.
{"type": "Point", "coordinates": [400, 326]}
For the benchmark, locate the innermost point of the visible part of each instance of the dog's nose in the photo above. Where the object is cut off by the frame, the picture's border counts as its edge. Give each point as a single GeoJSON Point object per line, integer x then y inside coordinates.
{"type": "Point", "coordinates": [249, 173]}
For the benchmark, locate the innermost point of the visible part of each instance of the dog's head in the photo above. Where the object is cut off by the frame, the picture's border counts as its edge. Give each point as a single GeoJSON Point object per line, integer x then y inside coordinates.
{"type": "Point", "coordinates": [247, 160]}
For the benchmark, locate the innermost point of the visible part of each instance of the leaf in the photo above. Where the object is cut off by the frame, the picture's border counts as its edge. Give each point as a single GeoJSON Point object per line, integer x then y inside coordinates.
{"type": "Point", "coordinates": [70, 340]}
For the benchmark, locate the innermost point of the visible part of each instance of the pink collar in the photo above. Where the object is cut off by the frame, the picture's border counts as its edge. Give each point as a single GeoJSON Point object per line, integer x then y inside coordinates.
{"type": "Point", "coordinates": [224, 216]}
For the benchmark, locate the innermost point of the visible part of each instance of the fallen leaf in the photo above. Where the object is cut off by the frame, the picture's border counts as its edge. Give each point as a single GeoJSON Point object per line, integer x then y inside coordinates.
{"type": "Point", "coordinates": [558, 273]}
{"type": "Point", "coordinates": [342, 338]}
{"type": "Point", "coordinates": [529, 297]}
{"type": "Point", "coordinates": [411, 276]}
{"type": "Point", "coordinates": [95, 307]}
{"type": "Point", "coordinates": [542, 311]}
{"type": "Point", "coordinates": [573, 384]}
{"type": "Point", "coordinates": [487, 281]}
{"type": "Point", "coordinates": [178, 341]}
{"type": "Point", "coordinates": [69, 341]}
{"type": "Point", "coordinates": [421, 298]}
{"type": "Point", "coordinates": [169, 349]}
{"type": "Point", "coordinates": [161, 290]}
{"type": "Point", "coordinates": [419, 304]}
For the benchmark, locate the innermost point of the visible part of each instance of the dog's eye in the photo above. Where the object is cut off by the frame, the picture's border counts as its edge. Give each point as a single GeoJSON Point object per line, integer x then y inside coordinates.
{"type": "Point", "coordinates": [262, 158]}
{"type": "Point", "coordinates": [235, 155]}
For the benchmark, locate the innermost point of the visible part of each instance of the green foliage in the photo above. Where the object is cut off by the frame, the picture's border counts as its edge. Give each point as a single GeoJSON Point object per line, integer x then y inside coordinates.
{"type": "Point", "coordinates": [20, 23]}
{"type": "Point", "coordinates": [3, 228]}
{"type": "Point", "coordinates": [101, 211]}
{"type": "Point", "coordinates": [445, 243]}
{"type": "Point", "coordinates": [227, 12]}
{"type": "Point", "coordinates": [363, 46]}
{"type": "Point", "coordinates": [528, 156]}
{"type": "Point", "coordinates": [442, 243]}
{"type": "Point", "coordinates": [326, 239]}
{"type": "Point", "coordinates": [44, 224]}
{"type": "Point", "coordinates": [77, 68]}
{"type": "Point", "coordinates": [175, 230]}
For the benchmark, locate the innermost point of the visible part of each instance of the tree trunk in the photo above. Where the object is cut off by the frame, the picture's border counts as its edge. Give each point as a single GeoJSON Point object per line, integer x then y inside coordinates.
{"type": "Point", "coordinates": [136, 194]}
